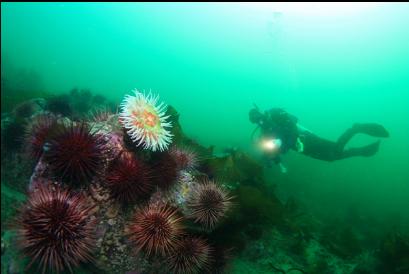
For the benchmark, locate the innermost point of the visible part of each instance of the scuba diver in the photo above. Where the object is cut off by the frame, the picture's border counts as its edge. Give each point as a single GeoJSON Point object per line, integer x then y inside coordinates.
{"type": "Point", "coordinates": [280, 132]}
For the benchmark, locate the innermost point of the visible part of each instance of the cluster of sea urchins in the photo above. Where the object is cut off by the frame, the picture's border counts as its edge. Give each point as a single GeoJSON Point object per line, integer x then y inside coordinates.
{"type": "Point", "coordinates": [56, 229]}
{"type": "Point", "coordinates": [157, 230]}
{"type": "Point", "coordinates": [55, 226]}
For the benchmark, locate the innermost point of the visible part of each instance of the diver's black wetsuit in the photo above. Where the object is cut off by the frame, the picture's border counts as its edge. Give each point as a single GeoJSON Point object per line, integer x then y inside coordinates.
{"type": "Point", "coordinates": [278, 124]}
{"type": "Point", "coordinates": [319, 148]}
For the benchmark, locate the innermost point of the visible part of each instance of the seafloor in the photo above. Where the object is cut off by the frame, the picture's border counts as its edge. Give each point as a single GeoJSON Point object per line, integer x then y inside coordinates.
{"type": "Point", "coordinates": [259, 233]}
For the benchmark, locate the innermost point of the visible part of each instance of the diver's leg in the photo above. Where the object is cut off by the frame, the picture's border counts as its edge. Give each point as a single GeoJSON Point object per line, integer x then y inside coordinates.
{"type": "Point", "coordinates": [319, 148]}
{"type": "Point", "coordinates": [326, 150]}
{"type": "Point", "coordinates": [344, 139]}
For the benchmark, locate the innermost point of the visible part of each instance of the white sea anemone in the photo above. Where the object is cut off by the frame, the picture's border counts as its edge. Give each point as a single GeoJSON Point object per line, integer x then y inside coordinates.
{"type": "Point", "coordinates": [145, 121]}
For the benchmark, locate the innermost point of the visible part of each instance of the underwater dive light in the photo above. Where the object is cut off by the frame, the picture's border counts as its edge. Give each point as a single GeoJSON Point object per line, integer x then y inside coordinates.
{"type": "Point", "coordinates": [271, 144]}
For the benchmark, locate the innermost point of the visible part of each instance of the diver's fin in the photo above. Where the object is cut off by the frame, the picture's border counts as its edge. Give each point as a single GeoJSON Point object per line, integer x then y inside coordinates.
{"type": "Point", "coordinates": [372, 129]}
{"type": "Point", "coordinates": [365, 151]}
{"type": "Point", "coordinates": [370, 150]}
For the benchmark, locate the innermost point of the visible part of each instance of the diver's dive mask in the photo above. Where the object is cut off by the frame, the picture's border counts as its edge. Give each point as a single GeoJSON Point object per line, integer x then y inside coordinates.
{"type": "Point", "coordinates": [255, 116]}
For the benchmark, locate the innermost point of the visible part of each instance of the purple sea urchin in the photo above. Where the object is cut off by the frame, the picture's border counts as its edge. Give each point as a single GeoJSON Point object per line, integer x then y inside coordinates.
{"type": "Point", "coordinates": [155, 229]}
{"type": "Point", "coordinates": [186, 159]}
{"type": "Point", "coordinates": [207, 204]}
{"type": "Point", "coordinates": [220, 260]}
{"type": "Point", "coordinates": [55, 229]}
{"type": "Point", "coordinates": [37, 133]}
{"type": "Point", "coordinates": [128, 179]}
{"type": "Point", "coordinates": [191, 255]}
{"type": "Point", "coordinates": [166, 171]}
{"type": "Point", "coordinates": [75, 154]}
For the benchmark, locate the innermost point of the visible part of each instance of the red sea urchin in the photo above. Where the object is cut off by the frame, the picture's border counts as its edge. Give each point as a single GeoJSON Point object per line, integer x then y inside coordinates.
{"type": "Point", "coordinates": [190, 256]}
{"type": "Point", "coordinates": [37, 133]}
{"type": "Point", "coordinates": [220, 260]}
{"type": "Point", "coordinates": [75, 154]}
{"type": "Point", "coordinates": [100, 115]}
{"type": "Point", "coordinates": [185, 158]}
{"type": "Point", "coordinates": [128, 179]}
{"type": "Point", "coordinates": [155, 229]}
{"type": "Point", "coordinates": [166, 170]}
{"type": "Point", "coordinates": [56, 230]}
{"type": "Point", "coordinates": [207, 204]}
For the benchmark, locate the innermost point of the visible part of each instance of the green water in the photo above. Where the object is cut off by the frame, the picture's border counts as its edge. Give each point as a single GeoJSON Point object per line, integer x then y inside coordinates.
{"type": "Point", "coordinates": [211, 62]}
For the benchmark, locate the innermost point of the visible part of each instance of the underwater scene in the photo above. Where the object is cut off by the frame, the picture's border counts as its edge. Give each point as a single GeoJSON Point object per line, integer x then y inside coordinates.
{"type": "Point", "coordinates": [181, 138]}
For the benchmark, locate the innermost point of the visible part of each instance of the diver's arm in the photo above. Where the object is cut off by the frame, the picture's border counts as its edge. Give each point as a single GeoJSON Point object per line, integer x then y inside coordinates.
{"type": "Point", "coordinates": [299, 146]}
{"type": "Point", "coordinates": [302, 129]}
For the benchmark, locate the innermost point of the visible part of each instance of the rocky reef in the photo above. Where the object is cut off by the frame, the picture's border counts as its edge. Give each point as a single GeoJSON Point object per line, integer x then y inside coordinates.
{"type": "Point", "coordinates": [75, 178]}
{"type": "Point", "coordinates": [81, 196]}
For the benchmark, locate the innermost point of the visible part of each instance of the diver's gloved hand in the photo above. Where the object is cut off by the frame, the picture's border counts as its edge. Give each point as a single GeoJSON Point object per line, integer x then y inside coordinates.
{"type": "Point", "coordinates": [283, 169]}
{"type": "Point", "coordinates": [299, 145]}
